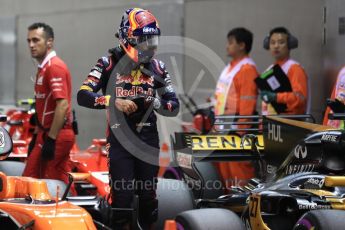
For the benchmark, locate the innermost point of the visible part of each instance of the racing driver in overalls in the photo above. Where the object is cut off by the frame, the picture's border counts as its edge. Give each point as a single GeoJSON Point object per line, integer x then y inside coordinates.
{"type": "Point", "coordinates": [130, 80]}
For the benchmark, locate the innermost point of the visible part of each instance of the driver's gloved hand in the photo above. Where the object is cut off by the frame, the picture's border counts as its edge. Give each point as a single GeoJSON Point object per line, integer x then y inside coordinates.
{"type": "Point", "coordinates": [48, 149]}
{"type": "Point", "coordinates": [268, 96]}
{"type": "Point", "coordinates": [144, 102]}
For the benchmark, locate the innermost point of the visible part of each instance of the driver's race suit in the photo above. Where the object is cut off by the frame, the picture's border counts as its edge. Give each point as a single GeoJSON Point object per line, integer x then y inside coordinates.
{"type": "Point", "coordinates": [127, 152]}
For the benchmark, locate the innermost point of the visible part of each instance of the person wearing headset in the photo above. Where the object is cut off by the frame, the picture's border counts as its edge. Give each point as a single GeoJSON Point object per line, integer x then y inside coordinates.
{"type": "Point", "coordinates": [48, 154]}
{"type": "Point", "coordinates": [130, 78]}
{"type": "Point", "coordinates": [279, 42]}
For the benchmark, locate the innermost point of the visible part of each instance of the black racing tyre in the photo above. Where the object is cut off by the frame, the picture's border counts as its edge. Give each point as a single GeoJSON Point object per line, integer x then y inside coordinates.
{"type": "Point", "coordinates": [321, 220]}
{"type": "Point", "coordinates": [173, 173]}
{"type": "Point", "coordinates": [209, 219]}
{"type": "Point", "coordinates": [174, 197]}
{"type": "Point", "coordinates": [213, 182]}
{"type": "Point", "coordinates": [12, 168]}
{"type": "Point", "coordinates": [169, 175]}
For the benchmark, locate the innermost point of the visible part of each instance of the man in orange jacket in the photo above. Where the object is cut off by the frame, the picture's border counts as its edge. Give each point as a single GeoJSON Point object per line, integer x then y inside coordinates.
{"type": "Point", "coordinates": [338, 94]}
{"type": "Point", "coordinates": [236, 94]}
{"type": "Point", "coordinates": [279, 43]}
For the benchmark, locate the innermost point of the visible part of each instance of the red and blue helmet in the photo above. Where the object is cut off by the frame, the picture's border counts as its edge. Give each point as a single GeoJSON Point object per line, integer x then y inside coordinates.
{"type": "Point", "coordinates": [138, 34]}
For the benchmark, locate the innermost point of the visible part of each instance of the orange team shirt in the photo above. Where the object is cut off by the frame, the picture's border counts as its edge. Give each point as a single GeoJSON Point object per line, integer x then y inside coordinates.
{"type": "Point", "coordinates": [241, 100]}
{"type": "Point", "coordinates": [296, 101]}
{"type": "Point", "coordinates": [242, 95]}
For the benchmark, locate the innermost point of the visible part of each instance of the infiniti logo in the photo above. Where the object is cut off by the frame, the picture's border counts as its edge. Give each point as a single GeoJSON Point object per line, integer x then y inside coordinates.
{"type": "Point", "coordinates": [300, 152]}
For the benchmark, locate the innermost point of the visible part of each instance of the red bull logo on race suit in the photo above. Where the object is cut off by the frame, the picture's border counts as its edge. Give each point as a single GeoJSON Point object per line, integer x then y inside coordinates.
{"type": "Point", "coordinates": [134, 91]}
{"type": "Point", "coordinates": [136, 80]}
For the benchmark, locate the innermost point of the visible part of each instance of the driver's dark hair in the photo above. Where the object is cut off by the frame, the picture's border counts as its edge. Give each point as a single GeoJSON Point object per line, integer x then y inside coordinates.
{"type": "Point", "coordinates": [48, 30]}
{"type": "Point", "coordinates": [279, 30]}
{"type": "Point", "coordinates": [242, 34]}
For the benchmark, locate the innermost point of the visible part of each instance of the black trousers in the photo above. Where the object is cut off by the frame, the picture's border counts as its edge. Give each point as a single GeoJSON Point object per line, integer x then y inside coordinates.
{"type": "Point", "coordinates": [131, 175]}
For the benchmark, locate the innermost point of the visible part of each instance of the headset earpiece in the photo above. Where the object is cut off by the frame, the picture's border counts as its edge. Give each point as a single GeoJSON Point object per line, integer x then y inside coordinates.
{"type": "Point", "coordinates": [292, 42]}
{"type": "Point", "coordinates": [266, 44]}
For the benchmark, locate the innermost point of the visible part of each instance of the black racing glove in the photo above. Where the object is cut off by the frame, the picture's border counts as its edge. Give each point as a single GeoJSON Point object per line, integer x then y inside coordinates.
{"type": "Point", "coordinates": [336, 105]}
{"type": "Point", "coordinates": [48, 149]}
{"type": "Point", "coordinates": [268, 96]}
{"type": "Point", "coordinates": [32, 143]}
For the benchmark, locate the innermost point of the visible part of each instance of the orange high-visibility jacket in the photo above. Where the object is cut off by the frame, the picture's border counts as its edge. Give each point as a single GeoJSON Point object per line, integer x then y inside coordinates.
{"type": "Point", "coordinates": [236, 93]}
{"type": "Point", "coordinates": [296, 101]}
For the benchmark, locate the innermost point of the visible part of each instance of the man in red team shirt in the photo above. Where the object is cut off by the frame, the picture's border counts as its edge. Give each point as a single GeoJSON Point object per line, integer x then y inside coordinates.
{"type": "Point", "coordinates": [54, 136]}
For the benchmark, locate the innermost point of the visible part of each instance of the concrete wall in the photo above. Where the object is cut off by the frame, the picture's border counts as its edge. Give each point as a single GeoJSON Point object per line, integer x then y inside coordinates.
{"type": "Point", "coordinates": [335, 40]}
{"type": "Point", "coordinates": [8, 59]}
{"type": "Point", "coordinates": [334, 48]}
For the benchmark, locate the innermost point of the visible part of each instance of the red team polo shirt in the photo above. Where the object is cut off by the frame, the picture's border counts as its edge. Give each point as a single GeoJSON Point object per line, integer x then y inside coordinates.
{"type": "Point", "coordinates": [53, 81]}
